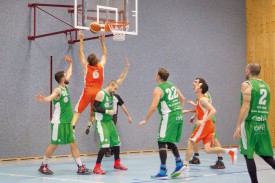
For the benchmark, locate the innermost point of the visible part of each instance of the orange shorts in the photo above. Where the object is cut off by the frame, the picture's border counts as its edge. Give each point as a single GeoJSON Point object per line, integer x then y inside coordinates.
{"type": "Point", "coordinates": [204, 133]}
{"type": "Point", "coordinates": [87, 97]}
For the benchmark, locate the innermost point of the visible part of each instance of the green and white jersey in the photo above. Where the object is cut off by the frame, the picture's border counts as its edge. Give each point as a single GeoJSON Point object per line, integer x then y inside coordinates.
{"type": "Point", "coordinates": [260, 100]}
{"type": "Point", "coordinates": [108, 104]}
{"type": "Point", "coordinates": [63, 111]}
{"type": "Point", "coordinates": [210, 98]}
{"type": "Point", "coordinates": [170, 99]}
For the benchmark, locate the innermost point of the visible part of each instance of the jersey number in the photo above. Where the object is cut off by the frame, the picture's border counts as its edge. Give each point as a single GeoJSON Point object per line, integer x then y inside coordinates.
{"type": "Point", "coordinates": [172, 93]}
{"type": "Point", "coordinates": [263, 94]}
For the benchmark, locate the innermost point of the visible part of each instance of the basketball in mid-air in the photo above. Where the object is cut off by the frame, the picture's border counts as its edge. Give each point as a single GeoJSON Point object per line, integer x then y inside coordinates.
{"type": "Point", "coordinates": [95, 27]}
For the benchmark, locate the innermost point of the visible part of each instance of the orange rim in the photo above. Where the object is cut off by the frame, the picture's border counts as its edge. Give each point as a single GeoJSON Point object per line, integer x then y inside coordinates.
{"type": "Point", "coordinates": [118, 23]}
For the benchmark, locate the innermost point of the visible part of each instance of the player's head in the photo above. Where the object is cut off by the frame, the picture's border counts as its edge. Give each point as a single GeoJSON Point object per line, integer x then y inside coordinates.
{"type": "Point", "coordinates": [60, 77]}
{"type": "Point", "coordinates": [162, 75]}
{"type": "Point", "coordinates": [92, 59]}
{"type": "Point", "coordinates": [252, 69]}
{"type": "Point", "coordinates": [197, 81]}
{"type": "Point", "coordinates": [112, 87]}
{"type": "Point", "coordinates": [201, 88]}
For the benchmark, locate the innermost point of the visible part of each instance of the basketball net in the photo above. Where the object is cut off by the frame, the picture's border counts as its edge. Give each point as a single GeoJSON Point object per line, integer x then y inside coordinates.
{"type": "Point", "coordinates": [118, 29]}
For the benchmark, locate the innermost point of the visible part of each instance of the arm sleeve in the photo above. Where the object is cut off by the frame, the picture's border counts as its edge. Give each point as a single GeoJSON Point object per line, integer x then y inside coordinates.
{"type": "Point", "coordinates": [120, 101]}
{"type": "Point", "coordinates": [96, 107]}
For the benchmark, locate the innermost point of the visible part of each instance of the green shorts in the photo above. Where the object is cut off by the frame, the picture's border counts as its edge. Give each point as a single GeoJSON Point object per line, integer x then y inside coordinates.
{"type": "Point", "coordinates": [107, 134]}
{"type": "Point", "coordinates": [170, 127]}
{"type": "Point", "coordinates": [255, 138]}
{"type": "Point", "coordinates": [62, 133]}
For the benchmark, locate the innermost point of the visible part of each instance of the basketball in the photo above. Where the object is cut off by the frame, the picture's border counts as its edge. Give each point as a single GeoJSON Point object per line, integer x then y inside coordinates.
{"type": "Point", "coordinates": [95, 27]}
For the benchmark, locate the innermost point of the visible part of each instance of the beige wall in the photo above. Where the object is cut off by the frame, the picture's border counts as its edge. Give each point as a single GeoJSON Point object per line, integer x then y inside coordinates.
{"type": "Point", "coordinates": [260, 24]}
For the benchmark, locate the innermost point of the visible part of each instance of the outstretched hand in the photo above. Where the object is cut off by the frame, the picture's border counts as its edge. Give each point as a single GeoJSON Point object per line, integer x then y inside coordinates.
{"type": "Point", "coordinates": [40, 97]}
{"type": "Point", "coordinates": [191, 102]}
{"type": "Point", "coordinates": [68, 59]}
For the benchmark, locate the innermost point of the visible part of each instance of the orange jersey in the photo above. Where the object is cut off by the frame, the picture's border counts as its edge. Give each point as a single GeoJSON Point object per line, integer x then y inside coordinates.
{"type": "Point", "coordinates": [206, 131]}
{"type": "Point", "coordinates": [94, 76]}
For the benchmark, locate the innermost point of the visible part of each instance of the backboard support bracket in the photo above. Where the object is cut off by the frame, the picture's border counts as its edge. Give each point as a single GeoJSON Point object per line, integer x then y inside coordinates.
{"type": "Point", "coordinates": [69, 31]}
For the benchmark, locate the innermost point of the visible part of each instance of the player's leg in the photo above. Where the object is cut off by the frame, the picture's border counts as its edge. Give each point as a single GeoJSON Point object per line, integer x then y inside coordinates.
{"type": "Point", "coordinates": [82, 170]}
{"type": "Point", "coordinates": [216, 150]}
{"type": "Point", "coordinates": [104, 144]}
{"type": "Point", "coordinates": [162, 174]}
{"type": "Point", "coordinates": [189, 152]}
{"type": "Point", "coordinates": [269, 160]}
{"type": "Point", "coordinates": [81, 105]}
{"type": "Point", "coordinates": [219, 163]}
{"type": "Point", "coordinates": [195, 159]}
{"type": "Point", "coordinates": [115, 144]}
{"type": "Point", "coordinates": [179, 163]}
{"type": "Point", "coordinates": [44, 168]}
{"type": "Point", "coordinates": [252, 170]}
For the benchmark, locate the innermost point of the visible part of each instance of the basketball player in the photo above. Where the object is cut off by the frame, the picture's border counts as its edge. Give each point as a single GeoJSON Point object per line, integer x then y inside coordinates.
{"type": "Point", "coordinates": [195, 160]}
{"type": "Point", "coordinates": [205, 128]}
{"type": "Point", "coordinates": [169, 101]}
{"type": "Point", "coordinates": [105, 127]}
{"type": "Point", "coordinates": [117, 102]}
{"type": "Point", "coordinates": [252, 126]}
{"type": "Point", "coordinates": [61, 128]}
{"type": "Point", "coordinates": [93, 78]}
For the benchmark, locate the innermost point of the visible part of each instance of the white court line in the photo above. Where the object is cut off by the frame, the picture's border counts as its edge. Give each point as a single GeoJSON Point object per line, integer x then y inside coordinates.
{"type": "Point", "coordinates": [50, 178]}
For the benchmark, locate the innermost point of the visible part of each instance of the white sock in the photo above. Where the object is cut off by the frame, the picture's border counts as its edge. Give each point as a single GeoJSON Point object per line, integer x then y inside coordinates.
{"type": "Point", "coordinates": [227, 150]}
{"type": "Point", "coordinates": [45, 160]}
{"type": "Point", "coordinates": [78, 161]}
{"type": "Point", "coordinates": [186, 162]}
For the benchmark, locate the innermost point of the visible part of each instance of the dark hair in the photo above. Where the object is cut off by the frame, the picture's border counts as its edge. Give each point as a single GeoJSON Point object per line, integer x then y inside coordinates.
{"type": "Point", "coordinates": [163, 74]}
{"type": "Point", "coordinates": [201, 80]}
{"type": "Point", "coordinates": [92, 59]}
{"type": "Point", "coordinates": [254, 68]}
{"type": "Point", "coordinates": [58, 76]}
{"type": "Point", "coordinates": [204, 88]}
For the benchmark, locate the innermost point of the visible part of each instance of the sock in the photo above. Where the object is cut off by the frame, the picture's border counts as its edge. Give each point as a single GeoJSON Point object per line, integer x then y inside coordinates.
{"type": "Point", "coordinates": [163, 166]}
{"type": "Point", "coordinates": [220, 158]}
{"type": "Point", "coordinates": [78, 161]}
{"type": "Point", "coordinates": [178, 160]}
{"type": "Point", "coordinates": [196, 154]}
{"type": "Point", "coordinates": [45, 160]}
{"type": "Point", "coordinates": [186, 163]}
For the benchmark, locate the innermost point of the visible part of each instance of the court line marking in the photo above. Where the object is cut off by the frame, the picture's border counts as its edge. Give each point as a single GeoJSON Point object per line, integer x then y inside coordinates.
{"type": "Point", "coordinates": [50, 178]}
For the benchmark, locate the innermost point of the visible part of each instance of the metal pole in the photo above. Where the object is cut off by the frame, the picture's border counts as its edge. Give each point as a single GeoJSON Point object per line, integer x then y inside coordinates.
{"type": "Point", "coordinates": [51, 85]}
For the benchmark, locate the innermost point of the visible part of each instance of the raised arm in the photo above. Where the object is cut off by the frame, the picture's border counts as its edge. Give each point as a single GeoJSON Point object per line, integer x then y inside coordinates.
{"type": "Point", "coordinates": [156, 97]}
{"type": "Point", "coordinates": [70, 68]}
{"type": "Point", "coordinates": [124, 72]}
{"type": "Point", "coordinates": [81, 52]}
{"type": "Point", "coordinates": [104, 50]}
{"type": "Point", "coordinates": [246, 92]}
{"type": "Point", "coordinates": [41, 98]}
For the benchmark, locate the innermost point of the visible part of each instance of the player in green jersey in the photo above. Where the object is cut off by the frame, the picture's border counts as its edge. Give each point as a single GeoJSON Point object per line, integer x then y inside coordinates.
{"type": "Point", "coordinates": [195, 159]}
{"type": "Point", "coordinates": [252, 123]}
{"type": "Point", "coordinates": [169, 101]}
{"type": "Point", "coordinates": [61, 128]}
{"type": "Point", "coordinates": [105, 127]}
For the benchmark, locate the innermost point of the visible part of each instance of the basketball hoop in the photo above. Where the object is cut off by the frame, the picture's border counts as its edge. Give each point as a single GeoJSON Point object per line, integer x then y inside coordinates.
{"type": "Point", "coordinates": [119, 29]}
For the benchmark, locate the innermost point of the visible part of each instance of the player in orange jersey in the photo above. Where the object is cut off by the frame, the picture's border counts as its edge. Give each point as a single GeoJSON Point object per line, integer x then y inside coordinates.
{"type": "Point", "coordinates": [205, 128]}
{"type": "Point", "coordinates": [93, 70]}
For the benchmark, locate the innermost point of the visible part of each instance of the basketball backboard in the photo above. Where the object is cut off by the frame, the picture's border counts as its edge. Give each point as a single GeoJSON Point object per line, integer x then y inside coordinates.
{"type": "Point", "coordinates": [103, 11]}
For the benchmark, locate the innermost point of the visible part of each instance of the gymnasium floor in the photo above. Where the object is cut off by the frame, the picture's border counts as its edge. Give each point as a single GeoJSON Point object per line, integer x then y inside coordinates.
{"type": "Point", "coordinates": [140, 165]}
